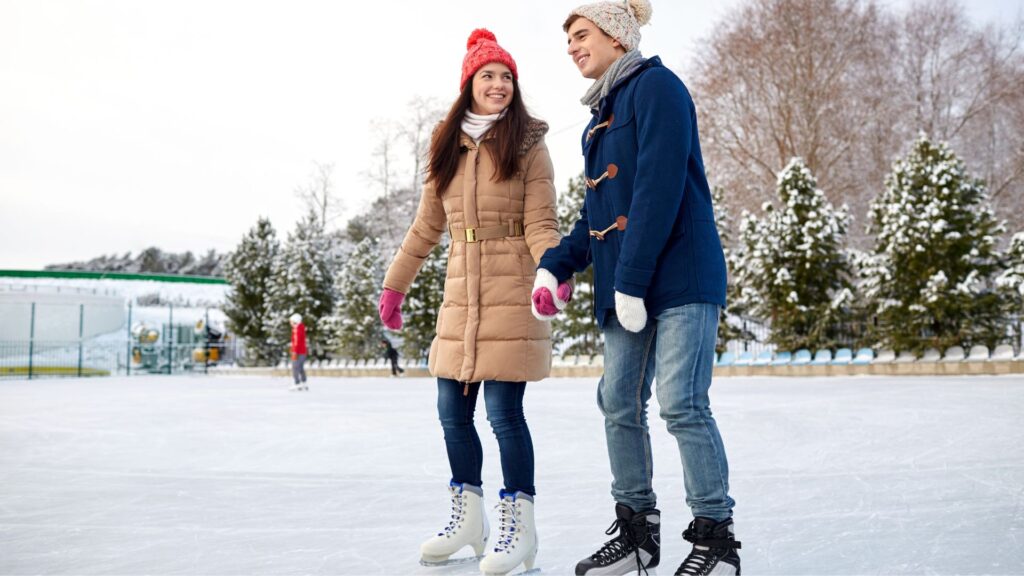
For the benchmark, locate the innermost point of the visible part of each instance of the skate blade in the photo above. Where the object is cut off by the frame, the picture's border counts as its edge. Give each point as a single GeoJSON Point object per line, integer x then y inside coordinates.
{"type": "Point", "coordinates": [450, 561]}
{"type": "Point", "coordinates": [530, 572]}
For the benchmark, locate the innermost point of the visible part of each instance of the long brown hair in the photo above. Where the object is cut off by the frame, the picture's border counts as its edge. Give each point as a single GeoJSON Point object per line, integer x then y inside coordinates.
{"type": "Point", "coordinates": [508, 131]}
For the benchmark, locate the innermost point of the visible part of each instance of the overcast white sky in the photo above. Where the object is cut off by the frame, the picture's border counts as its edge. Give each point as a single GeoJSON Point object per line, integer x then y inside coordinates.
{"type": "Point", "coordinates": [128, 124]}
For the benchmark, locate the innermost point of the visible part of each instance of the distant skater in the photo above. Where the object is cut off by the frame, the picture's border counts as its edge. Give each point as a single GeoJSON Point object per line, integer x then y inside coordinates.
{"type": "Point", "coordinates": [391, 355]}
{"type": "Point", "coordinates": [299, 352]}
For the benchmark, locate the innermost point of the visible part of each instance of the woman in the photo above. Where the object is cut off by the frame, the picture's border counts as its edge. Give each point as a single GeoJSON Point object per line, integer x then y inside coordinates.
{"type": "Point", "coordinates": [489, 183]}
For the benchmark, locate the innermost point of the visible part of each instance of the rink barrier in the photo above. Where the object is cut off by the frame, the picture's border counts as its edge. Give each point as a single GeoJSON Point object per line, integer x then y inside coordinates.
{"type": "Point", "coordinates": [596, 369]}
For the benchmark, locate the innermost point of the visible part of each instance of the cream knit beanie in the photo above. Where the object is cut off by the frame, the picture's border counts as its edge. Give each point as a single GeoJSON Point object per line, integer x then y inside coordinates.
{"type": "Point", "coordinates": [620, 20]}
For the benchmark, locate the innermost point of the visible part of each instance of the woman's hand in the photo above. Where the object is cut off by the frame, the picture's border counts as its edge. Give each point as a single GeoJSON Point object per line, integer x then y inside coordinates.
{"type": "Point", "coordinates": [390, 308]}
{"type": "Point", "coordinates": [548, 295]}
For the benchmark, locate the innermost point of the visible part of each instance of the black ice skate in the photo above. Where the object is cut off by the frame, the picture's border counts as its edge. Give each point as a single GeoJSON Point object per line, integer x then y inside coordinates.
{"type": "Point", "coordinates": [714, 549]}
{"type": "Point", "coordinates": [636, 548]}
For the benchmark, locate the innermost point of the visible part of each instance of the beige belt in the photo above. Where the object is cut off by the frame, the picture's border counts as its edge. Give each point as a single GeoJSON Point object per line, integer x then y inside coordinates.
{"type": "Point", "coordinates": [511, 228]}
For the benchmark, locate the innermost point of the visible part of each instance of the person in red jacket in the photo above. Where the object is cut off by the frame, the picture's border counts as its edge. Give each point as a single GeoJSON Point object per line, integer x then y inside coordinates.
{"type": "Point", "coordinates": [299, 352]}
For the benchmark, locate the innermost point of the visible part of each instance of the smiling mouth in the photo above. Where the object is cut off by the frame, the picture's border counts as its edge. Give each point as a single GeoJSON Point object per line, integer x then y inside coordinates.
{"type": "Point", "coordinates": [582, 60]}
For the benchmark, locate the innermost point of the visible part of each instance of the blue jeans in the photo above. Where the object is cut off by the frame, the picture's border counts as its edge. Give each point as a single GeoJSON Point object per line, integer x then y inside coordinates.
{"type": "Point", "coordinates": [677, 348]}
{"type": "Point", "coordinates": [299, 368]}
{"type": "Point", "coordinates": [504, 402]}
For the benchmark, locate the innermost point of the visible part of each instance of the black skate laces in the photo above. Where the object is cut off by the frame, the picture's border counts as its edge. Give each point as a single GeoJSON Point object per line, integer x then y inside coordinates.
{"type": "Point", "coordinates": [620, 546]}
{"type": "Point", "coordinates": [698, 562]}
{"type": "Point", "coordinates": [507, 522]}
{"type": "Point", "coordinates": [458, 513]}
{"type": "Point", "coordinates": [706, 553]}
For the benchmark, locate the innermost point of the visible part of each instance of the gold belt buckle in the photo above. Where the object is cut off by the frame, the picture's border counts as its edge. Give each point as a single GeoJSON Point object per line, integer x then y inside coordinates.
{"type": "Point", "coordinates": [470, 234]}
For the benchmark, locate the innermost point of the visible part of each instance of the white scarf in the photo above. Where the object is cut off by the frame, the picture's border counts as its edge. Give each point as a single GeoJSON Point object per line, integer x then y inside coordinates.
{"type": "Point", "coordinates": [476, 125]}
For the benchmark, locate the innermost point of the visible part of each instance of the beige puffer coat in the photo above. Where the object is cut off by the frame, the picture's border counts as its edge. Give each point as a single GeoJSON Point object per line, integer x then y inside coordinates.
{"type": "Point", "coordinates": [485, 329]}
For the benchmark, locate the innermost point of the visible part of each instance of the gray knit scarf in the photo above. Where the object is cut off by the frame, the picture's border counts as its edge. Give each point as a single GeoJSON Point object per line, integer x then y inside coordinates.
{"type": "Point", "coordinates": [621, 68]}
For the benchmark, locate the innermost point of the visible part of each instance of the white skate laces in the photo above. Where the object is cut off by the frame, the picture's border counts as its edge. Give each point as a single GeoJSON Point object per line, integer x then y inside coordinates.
{"type": "Point", "coordinates": [458, 513]}
{"type": "Point", "coordinates": [508, 518]}
{"type": "Point", "coordinates": [516, 541]}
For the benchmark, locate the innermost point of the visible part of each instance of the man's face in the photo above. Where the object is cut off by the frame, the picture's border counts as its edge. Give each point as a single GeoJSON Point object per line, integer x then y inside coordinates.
{"type": "Point", "coordinates": [591, 49]}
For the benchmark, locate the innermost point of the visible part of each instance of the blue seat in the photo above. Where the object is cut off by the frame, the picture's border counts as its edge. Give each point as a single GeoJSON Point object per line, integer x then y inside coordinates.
{"type": "Point", "coordinates": [764, 358]}
{"type": "Point", "coordinates": [782, 359]}
{"type": "Point", "coordinates": [727, 359]}
{"type": "Point", "coordinates": [843, 357]}
{"type": "Point", "coordinates": [822, 357]}
{"type": "Point", "coordinates": [864, 356]}
{"type": "Point", "coordinates": [801, 357]}
{"type": "Point", "coordinates": [744, 359]}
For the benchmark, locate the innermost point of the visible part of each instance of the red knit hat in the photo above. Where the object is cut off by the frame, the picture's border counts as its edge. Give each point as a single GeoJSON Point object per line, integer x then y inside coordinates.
{"type": "Point", "coordinates": [482, 48]}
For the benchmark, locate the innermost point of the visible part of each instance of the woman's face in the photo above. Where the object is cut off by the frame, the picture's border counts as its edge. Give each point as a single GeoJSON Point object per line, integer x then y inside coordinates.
{"type": "Point", "coordinates": [492, 89]}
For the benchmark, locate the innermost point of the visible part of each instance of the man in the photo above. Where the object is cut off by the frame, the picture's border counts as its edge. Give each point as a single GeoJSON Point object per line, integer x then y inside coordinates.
{"type": "Point", "coordinates": [647, 226]}
{"type": "Point", "coordinates": [299, 352]}
{"type": "Point", "coordinates": [391, 355]}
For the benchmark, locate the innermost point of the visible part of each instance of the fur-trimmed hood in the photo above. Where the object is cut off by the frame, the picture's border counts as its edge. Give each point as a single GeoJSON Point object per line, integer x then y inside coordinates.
{"type": "Point", "coordinates": [535, 132]}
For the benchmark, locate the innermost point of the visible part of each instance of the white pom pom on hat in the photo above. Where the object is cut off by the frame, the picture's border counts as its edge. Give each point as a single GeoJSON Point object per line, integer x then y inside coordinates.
{"type": "Point", "coordinates": [642, 11]}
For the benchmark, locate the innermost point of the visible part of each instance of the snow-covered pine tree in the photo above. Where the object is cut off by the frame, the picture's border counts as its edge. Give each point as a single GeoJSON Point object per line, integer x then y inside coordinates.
{"type": "Point", "coordinates": [249, 270]}
{"type": "Point", "coordinates": [929, 280]}
{"type": "Point", "coordinates": [792, 269]}
{"type": "Point", "coordinates": [423, 302]}
{"type": "Point", "coordinates": [1011, 283]}
{"type": "Point", "coordinates": [575, 329]}
{"type": "Point", "coordinates": [727, 330]}
{"type": "Point", "coordinates": [302, 283]}
{"type": "Point", "coordinates": [355, 327]}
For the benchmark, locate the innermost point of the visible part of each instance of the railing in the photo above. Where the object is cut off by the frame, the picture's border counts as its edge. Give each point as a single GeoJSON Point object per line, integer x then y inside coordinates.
{"type": "Point", "coordinates": [41, 337]}
{"type": "Point", "coordinates": [848, 335]}
{"type": "Point", "coordinates": [29, 359]}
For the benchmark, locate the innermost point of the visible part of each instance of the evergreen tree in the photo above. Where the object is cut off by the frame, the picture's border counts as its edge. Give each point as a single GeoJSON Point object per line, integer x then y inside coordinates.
{"type": "Point", "coordinates": [727, 331]}
{"type": "Point", "coordinates": [575, 328]}
{"type": "Point", "coordinates": [1011, 280]}
{"type": "Point", "coordinates": [302, 284]}
{"type": "Point", "coordinates": [792, 269]}
{"type": "Point", "coordinates": [1011, 283]}
{"type": "Point", "coordinates": [354, 328]}
{"type": "Point", "coordinates": [423, 302]}
{"type": "Point", "coordinates": [249, 270]}
{"type": "Point", "coordinates": [929, 279]}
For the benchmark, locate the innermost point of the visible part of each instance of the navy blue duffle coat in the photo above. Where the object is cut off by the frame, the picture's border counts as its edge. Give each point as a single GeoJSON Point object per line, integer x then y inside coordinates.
{"type": "Point", "coordinates": [644, 169]}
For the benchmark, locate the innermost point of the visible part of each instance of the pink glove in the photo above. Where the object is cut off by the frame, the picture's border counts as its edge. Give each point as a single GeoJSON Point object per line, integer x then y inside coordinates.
{"type": "Point", "coordinates": [390, 308]}
{"type": "Point", "coordinates": [564, 292]}
{"type": "Point", "coordinates": [545, 305]}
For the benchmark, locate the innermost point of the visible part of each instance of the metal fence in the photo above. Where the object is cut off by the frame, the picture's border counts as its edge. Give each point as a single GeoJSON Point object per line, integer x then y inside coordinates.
{"type": "Point", "coordinates": [54, 359]}
{"type": "Point", "coordinates": [757, 334]}
{"type": "Point", "coordinates": [43, 336]}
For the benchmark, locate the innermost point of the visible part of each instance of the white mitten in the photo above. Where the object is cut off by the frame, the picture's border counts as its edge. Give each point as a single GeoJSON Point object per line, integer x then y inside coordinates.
{"type": "Point", "coordinates": [631, 311]}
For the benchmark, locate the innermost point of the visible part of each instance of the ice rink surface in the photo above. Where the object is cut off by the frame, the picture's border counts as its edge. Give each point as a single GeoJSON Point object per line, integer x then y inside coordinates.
{"type": "Point", "coordinates": [238, 476]}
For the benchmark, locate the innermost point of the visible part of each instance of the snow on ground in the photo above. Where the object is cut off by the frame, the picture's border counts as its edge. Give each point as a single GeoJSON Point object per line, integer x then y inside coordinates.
{"type": "Point", "coordinates": [180, 293]}
{"type": "Point", "coordinates": [237, 476]}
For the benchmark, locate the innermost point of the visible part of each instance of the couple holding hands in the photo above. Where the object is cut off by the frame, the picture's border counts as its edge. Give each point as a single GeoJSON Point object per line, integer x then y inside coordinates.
{"type": "Point", "coordinates": [647, 227]}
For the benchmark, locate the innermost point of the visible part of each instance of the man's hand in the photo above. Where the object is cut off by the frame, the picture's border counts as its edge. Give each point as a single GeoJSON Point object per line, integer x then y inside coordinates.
{"type": "Point", "coordinates": [548, 295]}
{"type": "Point", "coordinates": [631, 312]}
